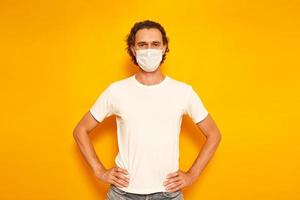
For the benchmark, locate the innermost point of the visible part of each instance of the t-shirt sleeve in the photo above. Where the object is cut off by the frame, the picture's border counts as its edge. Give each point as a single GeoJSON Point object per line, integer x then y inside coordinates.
{"type": "Point", "coordinates": [103, 106]}
{"type": "Point", "coordinates": [195, 107]}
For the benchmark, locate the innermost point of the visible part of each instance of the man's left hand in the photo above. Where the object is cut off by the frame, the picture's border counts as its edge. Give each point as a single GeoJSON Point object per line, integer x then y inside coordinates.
{"type": "Point", "coordinates": [178, 180]}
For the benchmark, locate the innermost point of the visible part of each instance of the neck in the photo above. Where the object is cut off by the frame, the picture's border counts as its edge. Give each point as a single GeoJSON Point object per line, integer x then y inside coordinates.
{"type": "Point", "coordinates": [149, 78]}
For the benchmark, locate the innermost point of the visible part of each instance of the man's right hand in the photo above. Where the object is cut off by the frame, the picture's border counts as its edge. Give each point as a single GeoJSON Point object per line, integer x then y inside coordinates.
{"type": "Point", "coordinates": [114, 175]}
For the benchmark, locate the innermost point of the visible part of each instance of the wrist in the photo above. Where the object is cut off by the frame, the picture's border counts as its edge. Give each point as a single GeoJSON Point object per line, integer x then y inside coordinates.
{"type": "Point", "coordinates": [193, 173]}
{"type": "Point", "coordinates": [98, 169]}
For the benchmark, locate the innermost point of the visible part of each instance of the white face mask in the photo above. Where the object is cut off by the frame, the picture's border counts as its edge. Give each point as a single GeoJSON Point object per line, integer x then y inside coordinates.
{"type": "Point", "coordinates": [149, 59]}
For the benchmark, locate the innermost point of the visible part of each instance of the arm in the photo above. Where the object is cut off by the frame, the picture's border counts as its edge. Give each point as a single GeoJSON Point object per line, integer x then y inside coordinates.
{"type": "Point", "coordinates": [182, 179]}
{"type": "Point", "coordinates": [114, 175]}
{"type": "Point", "coordinates": [213, 138]}
{"type": "Point", "coordinates": [81, 136]}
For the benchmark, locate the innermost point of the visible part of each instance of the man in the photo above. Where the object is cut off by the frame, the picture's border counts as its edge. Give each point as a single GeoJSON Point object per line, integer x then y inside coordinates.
{"type": "Point", "coordinates": [148, 107]}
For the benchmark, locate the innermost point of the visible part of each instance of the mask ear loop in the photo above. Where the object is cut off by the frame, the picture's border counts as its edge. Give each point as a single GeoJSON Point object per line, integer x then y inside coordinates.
{"type": "Point", "coordinates": [134, 51]}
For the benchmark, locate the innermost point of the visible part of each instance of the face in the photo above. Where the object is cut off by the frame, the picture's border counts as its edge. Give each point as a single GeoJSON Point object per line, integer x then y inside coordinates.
{"type": "Point", "coordinates": [148, 38]}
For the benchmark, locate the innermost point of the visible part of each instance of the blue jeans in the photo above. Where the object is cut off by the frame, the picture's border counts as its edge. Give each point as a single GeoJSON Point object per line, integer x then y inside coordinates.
{"type": "Point", "coordinates": [115, 193]}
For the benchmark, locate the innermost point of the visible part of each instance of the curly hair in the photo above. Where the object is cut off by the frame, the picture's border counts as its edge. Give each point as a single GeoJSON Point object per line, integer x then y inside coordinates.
{"type": "Point", "coordinates": [130, 40]}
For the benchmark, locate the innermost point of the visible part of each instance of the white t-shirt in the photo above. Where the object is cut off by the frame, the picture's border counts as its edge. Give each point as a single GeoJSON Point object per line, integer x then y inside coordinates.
{"type": "Point", "coordinates": [148, 126]}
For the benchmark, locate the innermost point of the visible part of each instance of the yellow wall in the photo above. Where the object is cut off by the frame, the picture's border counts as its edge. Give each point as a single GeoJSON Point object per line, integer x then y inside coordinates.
{"type": "Point", "coordinates": [242, 57]}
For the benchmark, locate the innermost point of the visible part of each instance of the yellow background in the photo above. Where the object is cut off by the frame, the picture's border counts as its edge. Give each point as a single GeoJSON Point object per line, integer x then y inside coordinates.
{"type": "Point", "coordinates": [242, 57]}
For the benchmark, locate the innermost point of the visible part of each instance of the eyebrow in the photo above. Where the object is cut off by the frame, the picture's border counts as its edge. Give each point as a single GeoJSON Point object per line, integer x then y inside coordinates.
{"type": "Point", "coordinates": [143, 42]}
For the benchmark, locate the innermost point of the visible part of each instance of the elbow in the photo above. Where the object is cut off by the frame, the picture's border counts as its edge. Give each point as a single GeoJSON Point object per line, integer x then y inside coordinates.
{"type": "Point", "coordinates": [77, 131]}
{"type": "Point", "coordinates": [216, 137]}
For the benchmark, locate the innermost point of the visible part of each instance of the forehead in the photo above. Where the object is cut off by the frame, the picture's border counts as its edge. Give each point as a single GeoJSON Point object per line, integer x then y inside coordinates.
{"type": "Point", "coordinates": [148, 35]}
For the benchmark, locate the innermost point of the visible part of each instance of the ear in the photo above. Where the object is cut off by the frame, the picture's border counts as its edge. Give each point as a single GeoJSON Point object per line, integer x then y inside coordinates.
{"type": "Point", "coordinates": [164, 49]}
{"type": "Point", "coordinates": [132, 50]}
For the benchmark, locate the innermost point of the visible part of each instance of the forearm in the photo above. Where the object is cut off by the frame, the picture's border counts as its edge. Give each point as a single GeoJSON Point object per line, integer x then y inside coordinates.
{"type": "Point", "coordinates": [204, 155]}
{"type": "Point", "coordinates": [86, 148]}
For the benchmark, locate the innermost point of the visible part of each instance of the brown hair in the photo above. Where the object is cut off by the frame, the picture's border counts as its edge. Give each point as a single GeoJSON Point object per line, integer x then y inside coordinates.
{"type": "Point", "coordinates": [130, 40]}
